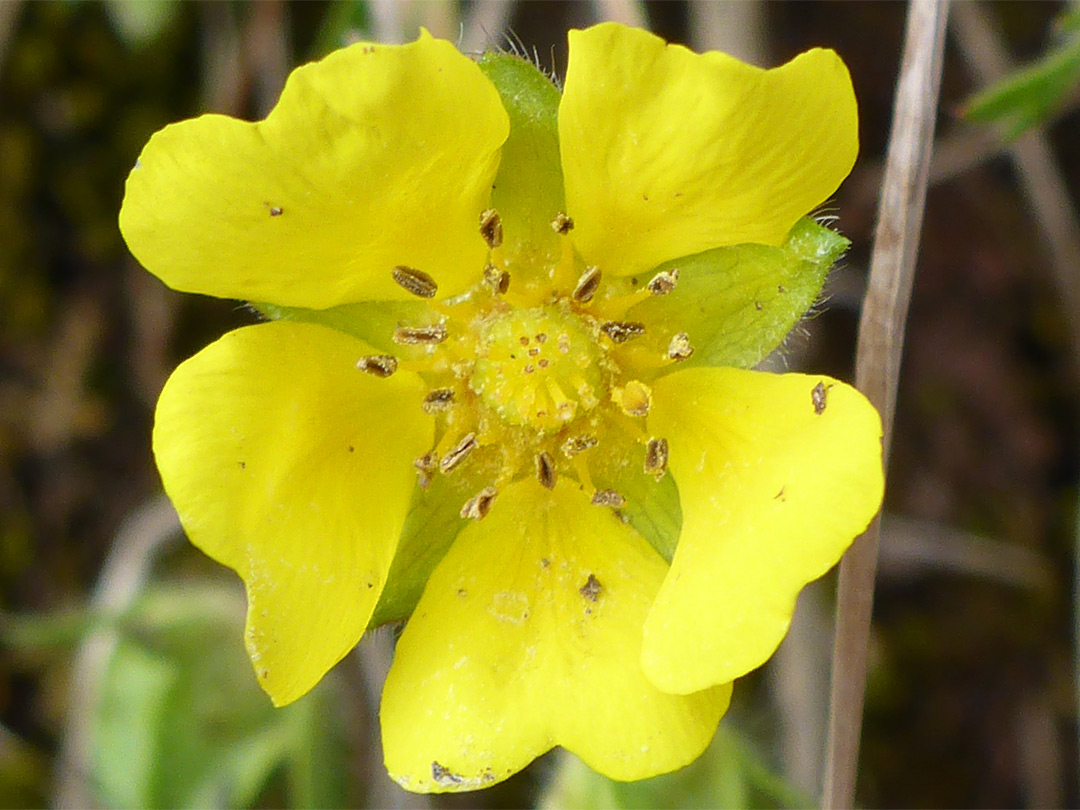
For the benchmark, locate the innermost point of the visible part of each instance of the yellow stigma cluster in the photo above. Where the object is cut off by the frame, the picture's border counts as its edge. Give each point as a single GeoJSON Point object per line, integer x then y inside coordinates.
{"type": "Point", "coordinates": [538, 367]}
{"type": "Point", "coordinates": [531, 381]}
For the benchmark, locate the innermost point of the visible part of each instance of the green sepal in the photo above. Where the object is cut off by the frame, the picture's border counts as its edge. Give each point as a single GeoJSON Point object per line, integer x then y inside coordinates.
{"type": "Point", "coordinates": [433, 522]}
{"type": "Point", "coordinates": [652, 507]}
{"type": "Point", "coordinates": [738, 303]}
{"type": "Point", "coordinates": [528, 189]}
{"type": "Point", "coordinates": [373, 322]}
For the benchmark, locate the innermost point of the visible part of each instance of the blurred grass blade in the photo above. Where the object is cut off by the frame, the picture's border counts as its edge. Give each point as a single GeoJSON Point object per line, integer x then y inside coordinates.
{"type": "Point", "coordinates": [1029, 96]}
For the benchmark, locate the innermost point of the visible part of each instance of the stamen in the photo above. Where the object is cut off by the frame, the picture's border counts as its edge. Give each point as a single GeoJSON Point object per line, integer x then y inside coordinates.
{"type": "Point", "coordinates": [381, 365]}
{"type": "Point", "coordinates": [420, 335]}
{"type": "Point", "coordinates": [562, 224]}
{"type": "Point", "coordinates": [415, 281]}
{"type": "Point", "coordinates": [458, 454]}
{"type": "Point", "coordinates": [498, 280]}
{"type": "Point", "coordinates": [439, 399]}
{"type": "Point", "coordinates": [664, 281]}
{"type": "Point", "coordinates": [491, 227]}
{"type": "Point", "coordinates": [425, 468]}
{"type": "Point", "coordinates": [545, 470]}
{"type": "Point", "coordinates": [679, 348]}
{"type": "Point", "coordinates": [656, 458]}
{"type": "Point", "coordinates": [479, 505]}
{"type": "Point", "coordinates": [608, 497]}
{"type": "Point", "coordinates": [635, 398]}
{"type": "Point", "coordinates": [587, 285]}
{"type": "Point", "coordinates": [622, 331]}
{"type": "Point", "coordinates": [578, 444]}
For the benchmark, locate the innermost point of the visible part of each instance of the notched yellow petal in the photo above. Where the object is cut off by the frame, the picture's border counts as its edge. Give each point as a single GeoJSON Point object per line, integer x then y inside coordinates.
{"type": "Point", "coordinates": [527, 636]}
{"type": "Point", "coordinates": [314, 206]}
{"type": "Point", "coordinates": [667, 153]}
{"type": "Point", "coordinates": [290, 473]}
{"type": "Point", "coordinates": [777, 475]}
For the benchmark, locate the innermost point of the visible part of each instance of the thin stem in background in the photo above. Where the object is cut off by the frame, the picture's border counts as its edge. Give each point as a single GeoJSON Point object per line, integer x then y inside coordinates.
{"type": "Point", "coordinates": [1047, 195]}
{"type": "Point", "coordinates": [877, 366]}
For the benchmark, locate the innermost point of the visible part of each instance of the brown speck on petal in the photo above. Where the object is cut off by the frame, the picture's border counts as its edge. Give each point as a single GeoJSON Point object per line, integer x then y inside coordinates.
{"type": "Point", "coordinates": [491, 228]}
{"type": "Point", "coordinates": [819, 396]}
{"type": "Point", "coordinates": [415, 281]}
{"type": "Point", "coordinates": [276, 211]}
{"type": "Point", "coordinates": [379, 365]}
{"type": "Point", "coordinates": [443, 776]}
{"type": "Point", "coordinates": [479, 505]}
{"type": "Point", "coordinates": [587, 285]}
{"type": "Point", "coordinates": [591, 589]}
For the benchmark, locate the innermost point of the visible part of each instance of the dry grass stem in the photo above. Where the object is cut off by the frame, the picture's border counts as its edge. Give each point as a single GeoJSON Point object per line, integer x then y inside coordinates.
{"type": "Point", "coordinates": [881, 339]}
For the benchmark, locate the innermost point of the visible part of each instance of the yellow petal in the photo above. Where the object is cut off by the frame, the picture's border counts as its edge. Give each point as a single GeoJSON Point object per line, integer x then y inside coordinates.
{"type": "Point", "coordinates": [667, 153]}
{"type": "Point", "coordinates": [777, 474]}
{"type": "Point", "coordinates": [377, 156]}
{"type": "Point", "coordinates": [528, 636]}
{"type": "Point", "coordinates": [283, 465]}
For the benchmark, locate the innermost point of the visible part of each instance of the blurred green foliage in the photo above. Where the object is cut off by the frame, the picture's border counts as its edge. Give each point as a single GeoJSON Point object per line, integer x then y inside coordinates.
{"type": "Point", "coordinates": [1028, 97]}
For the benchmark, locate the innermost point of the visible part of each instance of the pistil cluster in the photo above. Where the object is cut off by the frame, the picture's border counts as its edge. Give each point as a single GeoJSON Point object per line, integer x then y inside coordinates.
{"type": "Point", "coordinates": [534, 383]}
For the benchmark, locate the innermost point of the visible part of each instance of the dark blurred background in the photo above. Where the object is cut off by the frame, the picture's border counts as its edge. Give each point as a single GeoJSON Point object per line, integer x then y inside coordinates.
{"type": "Point", "coordinates": [119, 639]}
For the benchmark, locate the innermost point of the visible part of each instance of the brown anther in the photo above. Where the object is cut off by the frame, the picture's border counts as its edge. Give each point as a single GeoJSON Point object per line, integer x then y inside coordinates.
{"type": "Point", "coordinates": [381, 365]}
{"type": "Point", "coordinates": [819, 396]}
{"type": "Point", "coordinates": [498, 280]}
{"type": "Point", "coordinates": [541, 337]}
{"type": "Point", "coordinates": [425, 468]}
{"type": "Point", "coordinates": [587, 285]}
{"type": "Point", "coordinates": [479, 505]}
{"type": "Point", "coordinates": [608, 497]}
{"type": "Point", "coordinates": [438, 399]}
{"type": "Point", "coordinates": [679, 348]}
{"type": "Point", "coordinates": [460, 452]}
{"type": "Point", "coordinates": [578, 444]}
{"type": "Point", "coordinates": [491, 227]}
{"type": "Point", "coordinates": [415, 281]}
{"type": "Point", "coordinates": [664, 281]}
{"type": "Point", "coordinates": [622, 331]}
{"type": "Point", "coordinates": [591, 589]}
{"type": "Point", "coordinates": [656, 458]}
{"type": "Point", "coordinates": [545, 470]}
{"type": "Point", "coordinates": [562, 224]}
{"type": "Point", "coordinates": [420, 335]}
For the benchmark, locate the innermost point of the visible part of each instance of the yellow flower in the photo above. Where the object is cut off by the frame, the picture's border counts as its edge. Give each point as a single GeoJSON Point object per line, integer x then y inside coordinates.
{"type": "Point", "coordinates": [505, 389]}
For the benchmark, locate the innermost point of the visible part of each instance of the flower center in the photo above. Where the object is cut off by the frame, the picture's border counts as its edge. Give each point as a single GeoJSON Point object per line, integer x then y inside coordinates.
{"type": "Point", "coordinates": [538, 367]}
{"type": "Point", "coordinates": [540, 377]}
